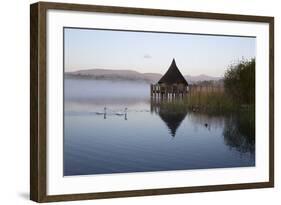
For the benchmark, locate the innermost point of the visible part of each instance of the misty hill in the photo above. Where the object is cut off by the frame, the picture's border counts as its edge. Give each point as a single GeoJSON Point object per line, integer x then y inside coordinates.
{"type": "Point", "coordinates": [200, 78]}
{"type": "Point", "coordinates": [106, 74]}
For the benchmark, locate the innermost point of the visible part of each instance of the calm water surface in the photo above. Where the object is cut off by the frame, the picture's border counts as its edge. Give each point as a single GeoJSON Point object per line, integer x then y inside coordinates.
{"type": "Point", "coordinates": [148, 137]}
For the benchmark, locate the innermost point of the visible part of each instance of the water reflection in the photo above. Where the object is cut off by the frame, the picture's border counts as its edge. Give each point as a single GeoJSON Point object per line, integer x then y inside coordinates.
{"type": "Point", "coordinates": [239, 133]}
{"type": "Point", "coordinates": [238, 128]}
{"type": "Point", "coordinates": [208, 121]}
{"type": "Point", "coordinates": [171, 112]}
{"type": "Point", "coordinates": [116, 114]}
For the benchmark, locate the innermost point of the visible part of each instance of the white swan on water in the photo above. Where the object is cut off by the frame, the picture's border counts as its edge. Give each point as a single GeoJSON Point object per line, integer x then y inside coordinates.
{"type": "Point", "coordinates": [122, 113]}
{"type": "Point", "coordinates": [102, 113]}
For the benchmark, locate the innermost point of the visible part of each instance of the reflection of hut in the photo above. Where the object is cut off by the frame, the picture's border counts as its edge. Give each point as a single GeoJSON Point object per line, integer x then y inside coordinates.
{"type": "Point", "coordinates": [172, 120]}
{"type": "Point", "coordinates": [172, 114]}
{"type": "Point", "coordinates": [171, 85]}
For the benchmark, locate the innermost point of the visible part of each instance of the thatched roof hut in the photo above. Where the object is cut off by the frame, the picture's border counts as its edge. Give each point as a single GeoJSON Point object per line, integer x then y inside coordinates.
{"type": "Point", "coordinates": [171, 85]}
{"type": "Point", "coordinates": [173, 76]}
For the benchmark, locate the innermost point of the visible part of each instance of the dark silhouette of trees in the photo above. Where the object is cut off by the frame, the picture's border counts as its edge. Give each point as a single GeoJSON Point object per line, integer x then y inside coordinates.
{"type": "Point", "coordinates": [239, 81]}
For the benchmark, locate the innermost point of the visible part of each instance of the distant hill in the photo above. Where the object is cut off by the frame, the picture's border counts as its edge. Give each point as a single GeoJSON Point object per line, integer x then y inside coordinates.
{"type": "Point", "coordinates": [107, 74]}
{"type": "Point", "coordinates": [200, 78]}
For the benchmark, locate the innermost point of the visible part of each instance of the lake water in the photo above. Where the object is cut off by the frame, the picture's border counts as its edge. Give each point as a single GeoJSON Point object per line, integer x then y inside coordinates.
{"type": "Point", "coordinates": [148, 136]}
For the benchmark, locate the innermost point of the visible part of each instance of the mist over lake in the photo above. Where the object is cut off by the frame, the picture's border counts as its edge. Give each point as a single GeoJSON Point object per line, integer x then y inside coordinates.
{"type": "Point", "coordinates": [114, 127]}
{"type": "Point", "coordinates": [94, 89]}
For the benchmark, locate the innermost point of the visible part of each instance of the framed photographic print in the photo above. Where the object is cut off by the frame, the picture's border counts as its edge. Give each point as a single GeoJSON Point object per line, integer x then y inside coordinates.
{"type": "Point", "coordinates": [134, 102]}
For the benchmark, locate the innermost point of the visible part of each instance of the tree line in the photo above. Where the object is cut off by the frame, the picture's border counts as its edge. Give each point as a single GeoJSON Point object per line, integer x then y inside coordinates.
{"type": "Point", "coordinates": [239, 81]}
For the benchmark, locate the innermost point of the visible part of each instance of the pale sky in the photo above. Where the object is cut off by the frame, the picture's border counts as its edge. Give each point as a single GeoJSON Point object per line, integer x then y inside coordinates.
{"type": "Point", "coordinates": [148, 52]}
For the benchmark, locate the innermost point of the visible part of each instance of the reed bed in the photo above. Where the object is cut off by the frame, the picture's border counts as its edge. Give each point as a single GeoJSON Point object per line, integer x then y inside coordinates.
{"type": "Point", "coordinates": [210, 99]}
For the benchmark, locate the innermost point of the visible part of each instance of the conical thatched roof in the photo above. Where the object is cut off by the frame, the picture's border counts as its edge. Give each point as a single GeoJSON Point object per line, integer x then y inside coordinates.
{"type": "Point", "coordinates": [173, 75]}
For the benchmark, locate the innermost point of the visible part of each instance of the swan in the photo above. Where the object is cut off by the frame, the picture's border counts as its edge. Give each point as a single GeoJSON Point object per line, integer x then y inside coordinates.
{"type": "Point", "coordinates": [122, 113]}
{"type": "Point", "coordinates": [102, 113]}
